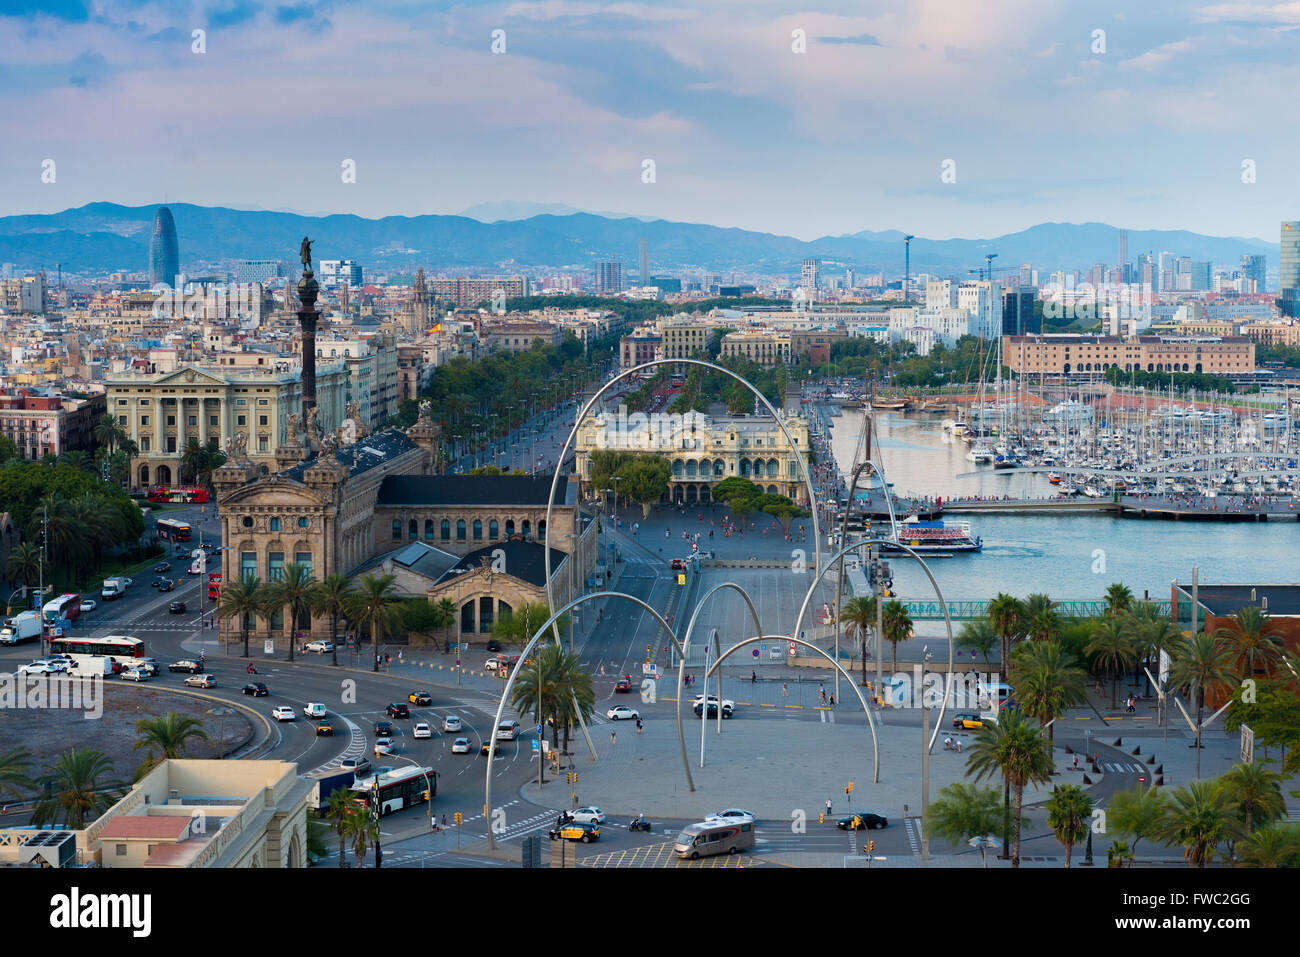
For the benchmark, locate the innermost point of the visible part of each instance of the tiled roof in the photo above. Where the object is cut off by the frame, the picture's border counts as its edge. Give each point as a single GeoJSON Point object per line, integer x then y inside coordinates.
{"type": "Point", "coordinates": [362, 455]}
{"type": "Point", "coordinates": [438, 490]}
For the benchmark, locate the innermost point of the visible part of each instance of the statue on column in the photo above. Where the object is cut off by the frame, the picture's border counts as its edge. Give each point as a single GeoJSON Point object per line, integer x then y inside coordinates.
{"type": "Point", "coordinates": [312, 434]}
{"type": "Point", "coordinates": [294, 429]}
{"type": "Point", "coordinates": [304, 253]}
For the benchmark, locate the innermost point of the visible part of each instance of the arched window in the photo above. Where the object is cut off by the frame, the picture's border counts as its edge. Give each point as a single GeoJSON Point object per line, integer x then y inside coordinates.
{"type": "Point", "coordinates": [412, 530]}
{"type": "Point", "coordinates": [744, 467]}
{"type": "Point", "coordinates": [526, 528]}
{"type": "Point", "coordinates": [478, 530]}
{"type": "Point", "coordinates": [428, 529]}
{"type": "Point", "coordinates": [690, 468]}
{"type": "Point", "coordinates": [541, 529]}
{"type": "Point", "coordinates": [510, 527]}
{"type": "Point", "coordinates": [444, 532]}
{"type": "Point", "coordinates": [677, 468]}
{"type": "Point", "coordinates": [275, 525]}
{"type": "Point", "coordinates": [467, 617]}
{"type": "Point", "coordinates": [460, 530]}
{"type": "Point", "coordinates": [773, 469]}
{"type": "Point", "coordinates": [719, 467]}
{"type": "Point", "coordinates": [397, 530]}
{"type": "Point", "coordinates": [492, 529]}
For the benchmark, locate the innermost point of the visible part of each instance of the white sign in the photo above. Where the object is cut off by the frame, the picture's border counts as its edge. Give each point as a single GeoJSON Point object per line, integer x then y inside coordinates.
{"type": "Point", "coordinates": [1247, 745]}
{"type": "Point", "coordinates": [793, 649]}
{"type": "Point", "coordinates": [269, 647]}
{"type": "Point", "coordinates": [1164, 668]}
{"type": "Point", "coordinates": [649, 668]}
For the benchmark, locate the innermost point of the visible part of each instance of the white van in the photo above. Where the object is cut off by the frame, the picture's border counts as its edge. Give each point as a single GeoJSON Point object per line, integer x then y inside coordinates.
{"type": "Point", "coordinates": [714, 837]}
{"type": "Point", "coordinates": [92, 666]}
{"type": "Point", "coordinates": [507, 730]}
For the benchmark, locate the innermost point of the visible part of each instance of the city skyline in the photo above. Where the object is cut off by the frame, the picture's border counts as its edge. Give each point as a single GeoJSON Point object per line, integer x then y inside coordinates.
{"type": "Point", "coordinates": [1039, 125]}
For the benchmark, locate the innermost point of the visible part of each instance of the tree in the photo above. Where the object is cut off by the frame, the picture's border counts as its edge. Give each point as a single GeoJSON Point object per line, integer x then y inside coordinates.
{"type": "Point", "coordinates": [962, 811]}
{"type": "Point", "coordinates": [1277, 845]}
{"type": "Point", "coordinates": [170, 735]}
{"type": "Point", "coordinates": [1273, 715]}
{"type": "Point", "coordinates": [644, 481]}
{"type": "Point", "coordinates": [897, 625]}
{"type": "Point", "coordinates": [419, 617]}
{"type": "Point", "coordinates": [446, 610]}
{"type": "Point", "coordinates": [332, 596]}
{"type": "Point", "coordinates": [374, 608]}
{"type": "Point", "coordinates": [1257, 793]}
{"type": "Point", "coordinates": [518, 626]}
{"type": "Point", "coordinates": [1252, 639]}
{"type": "Point", "coordinates": [338, 807]}
{"type": "Point", "coordinates": [1202, 665]}
{"type": "Point", "coordinates": [23, 564]}
{"type": "Point", "coordinates": [1119, 599]}
{"type": "Point", "coordinates": [294, 589]}
{"type": "Point", "coordinates": [14, 775]}
{"type": "Point", "coordinates": [1110, 646]}
{"type": "Point", "coordinates": [1138, 813]}
{"type": "Point", "coordinates": [360, 827]}
{"type": "Point", "coordinates": [1068, 811]}
{"type": "Point", "coordinates": [1047, 682]}
{"type": "Point", "coordinates": [978, 635]}
{"type": "Point", "coordinates": [76, 787]}
{"type": "Point", "coordinates": [1013, 749]}
{"type": "Point", "coordinates": [1006, 615]}
{"type": "Point", "coordinates": [1199, 818]}
{"type": "Point", "coordinates": [858, 616]}
{"type": "Point", "coordinates": [108, 433]}
{"type": "Point", "coordinates": [1042, 621]}
{"type": "Point", "coordinates": [242, 600]}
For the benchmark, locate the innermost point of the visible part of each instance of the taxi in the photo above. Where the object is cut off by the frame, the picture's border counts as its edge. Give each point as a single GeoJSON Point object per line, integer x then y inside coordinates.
{"type": "Point", "coordinates": [575, 831]}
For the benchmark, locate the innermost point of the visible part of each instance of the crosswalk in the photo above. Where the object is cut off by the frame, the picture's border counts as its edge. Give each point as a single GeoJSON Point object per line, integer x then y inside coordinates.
{"type": "Point", "coordinates": [913, 826]}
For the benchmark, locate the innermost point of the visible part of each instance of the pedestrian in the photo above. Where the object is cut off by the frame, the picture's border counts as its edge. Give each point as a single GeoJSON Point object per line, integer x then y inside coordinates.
{"type": "Point", "coordinates": [785, 693]}
{"type": "Point", "coordinates": [399, 656]}
{"type": "Point", "coordinates": [753, 677]}
{"type": "Point", "coordinates": [611, 739]}
{"type": "Point", "coordinates": [832, 701]}
{"type": "Point", "coordinates": [828, 807]}
{"type": "Point", "coordinates": [639, 725]}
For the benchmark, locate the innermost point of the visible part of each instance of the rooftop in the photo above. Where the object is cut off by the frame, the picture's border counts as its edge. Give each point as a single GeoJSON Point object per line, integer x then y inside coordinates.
{"type": "Point", "coordinates": [154, 828]}
{"type": "Point", "coordinates": [363, 455]}
{"type": "Point", "coordinates": [1224, 601]}
{"type": "Point", "coordinates": [525, 561]}
{"type": "Point", "coordinates": [438, 490]}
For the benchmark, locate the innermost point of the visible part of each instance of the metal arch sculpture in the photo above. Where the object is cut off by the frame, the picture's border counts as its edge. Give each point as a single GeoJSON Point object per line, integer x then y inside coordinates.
{"type": "Point", "coordinates": [943, 605]}
{"type": "Point", "coordinates": [685, 647]}
{"type": "Point", "coordinates": [519, 665]}
{"type": "Point", "coordinates": [805, 474]}
{"type": "Point", "coordinates": [875, 747]}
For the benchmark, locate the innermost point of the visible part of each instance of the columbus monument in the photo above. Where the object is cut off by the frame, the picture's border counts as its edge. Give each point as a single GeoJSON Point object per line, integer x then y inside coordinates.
{"type": "Point", "coordinates": [308, 288]}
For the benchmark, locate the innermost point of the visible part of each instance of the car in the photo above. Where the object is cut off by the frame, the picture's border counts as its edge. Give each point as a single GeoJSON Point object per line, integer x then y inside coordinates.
{"type": "Point", "coordinates": [181, 552]}
{"type": "Point", "coordinates": [966, 720]}
{"type": "Point", "coordinates": [493, 664]}
{"type": "Point", "coordinates": [256, 689]}
{"type": "Point", "coordinates": [135, 674]}
{"type": "Point", "coordinates": [383, 746]}
{"type": "Point", "coordinates": [451, 723]}
{"type": "Point", "coordinates": [621, 712]}
{"type": "Point", "coordinates": [421, 698]}
{"type": "Point", "coordinates": [731, 814]}
{"type": "Point", "coordinates": [576, 831]}
{"type": "Point", "coordinates": [89, 605]}
{"type": "Point", "coordinates": [623, 685]}
{"type": "Point", "coordinates": [398, 710]}
{"type": "Point", "coordinates": [359, 766]}
{"type": "Point", "coordinates": [728, 706]}
{"type": "Point", "coordinates": [162, 567]}
{"type": "Point", "coordinates": [128, 582]}
{"type": "Point", "coordinates": [166, 585]}
{"type": "Point", "coordinates": [175, 607]}
{"type": "Point", "coordinates": [284, 713]}
{"type": "Point", "coordinates": [314, 709]}
{"type": "Point", "coordinates": [40, 667]}
{"type": "Point", "coordinates": [678, 564]}
{"type": "Point", "coordinates": [485, 746]}
{"type": "Point", "coordinates": [493, 645]}
{"type": "Point", "coordinates": [863, 820]}
{"type": "Point", "coordinates": [319, 646]}
{"type": "Point", "coordinates": [460, 746]}
{"type": "Point", "coordinates": [186, 664]}
{"type": "Point", "coordinates": [324, 728]}
{"type": "Point", "coordinates": [148, 665]}
{"type": "Point", "coordinates": [157, 582]}
{"type": "Point", "coordinates": [422, 730]}
{"type": "Point", "coordinates": [588, 815]}
{"type": "Point", "coordinates": [201, 681]}
{"type": "Point", "coordinates": [383, 729]}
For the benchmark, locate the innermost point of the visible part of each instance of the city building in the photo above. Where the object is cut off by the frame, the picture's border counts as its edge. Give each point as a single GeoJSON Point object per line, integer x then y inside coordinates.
{"type": "Point", "coordinates": [609, 278]}
{"type": "Point", "coordinates": [1253, 270]}
{"type": "Point", "coordinates": [164, 250]}
{"type": "Point", "coordinates": [257, 270]}
{"type": "Point", "coordinates": [466, 292]}
{"type": "Point", "coordinates": [1289, 282]}
{"type": "Point", "coordinates": [410, 371]}
{"type": "Point", "coordinates": [639, 348]}
{"type": "Point", "coordinates": [335, 272]}
{"type": "Point", "coordinates": [982, 299]}
{"type": "Point", "coordinates": [1018, 311]}
{"type": "Point", "coordinates": [1077, 355]}
{"type": "Point", "coordinates": [515, 335]}
{"type": "Point", "coordinates": [683, 338]}
{"type": "Point", "coordinates": [1273, 333]}
{"type": "Point", "coordinates": [764, 347]}
{"type": "Point", "coordinates": [811, 277]}
{"type": "Point", "coordinates": [49, 424]}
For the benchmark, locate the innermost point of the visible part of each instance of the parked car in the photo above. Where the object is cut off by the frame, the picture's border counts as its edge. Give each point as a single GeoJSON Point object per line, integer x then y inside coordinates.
{"type": "Point", "coordinates": [186, 664]}
{"type": "Point", "coordinates": [460, 746]}
{"type": "Point", "coordinates": [398, 710]}
{"type": "Point", "coordinates": [176, 608]}
{"type": "Point", "coordinates": [256, 689]}
{"type": "Point", "coordinates": [40, 667]}
{"type": "Point", "coordinates": [284, 713]}
{"type": "Point", "coordinates": [422, 730]}
{"type": "Point", "coordinates": [201, 681]}
{"type": "Point", "coordinates": [451, 723]}
{"type": "Point", "coordinates": [493, 645]}
{"type": "Point", "coordinates": [864, 820]}
{"type": "Point", "coordinates": [320, 646]}
{"type": "Point", "coordinates": [421, 698]}
{"type": "Point", "coordinates": [135, 674]}
{"type": "Point", "coordinates": [621, 712]}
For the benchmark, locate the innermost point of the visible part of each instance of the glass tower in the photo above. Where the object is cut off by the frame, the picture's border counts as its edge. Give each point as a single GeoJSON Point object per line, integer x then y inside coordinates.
{"type": "Point", "coordinates": [164, 253]}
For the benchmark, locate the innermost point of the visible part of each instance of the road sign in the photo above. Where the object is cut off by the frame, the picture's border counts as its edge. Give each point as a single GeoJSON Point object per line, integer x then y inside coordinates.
{"type": "Point", "coordinates": [681, 578]}
{"type": "Point", "coordinates": [1247, 745]}
{"type": "Point", "coordinates": [755, 652]}
{"type": "Point", "coordinates": [539, 730]}
{"type": "Point", "coordinates": [269, 646]}
{"type": "Point", "coordinates": [793, 649]}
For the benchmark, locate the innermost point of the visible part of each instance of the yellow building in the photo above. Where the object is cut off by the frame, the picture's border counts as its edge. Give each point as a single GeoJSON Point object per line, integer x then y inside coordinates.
{"type": "Point", "coordinates": [763, 347]}
{"type": "Point", "coordinates": [682, 340]}
{"type": "Point", "coordinates": [1075, 355]}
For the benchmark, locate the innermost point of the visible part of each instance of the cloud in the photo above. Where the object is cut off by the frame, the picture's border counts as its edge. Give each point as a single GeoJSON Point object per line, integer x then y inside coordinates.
{"type": "Point", "coordinates": [1158, 57]}
{"type": "Point", "coordinates": [1051, 50]}
{"type": "Point", "coordinates": [862, 39]}
{"type": "Point", "coordinates": [1259, 14]}
{"type": "Point", "coordinates": [232, 16]}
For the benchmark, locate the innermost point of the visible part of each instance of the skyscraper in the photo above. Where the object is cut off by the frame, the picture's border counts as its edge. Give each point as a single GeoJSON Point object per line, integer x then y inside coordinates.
{"type": "Point", "coordinates": [1253, 268]}
{"type": "Point", "coordinates": [1290, 275]}
{"type": "Point", "coordinates": [645, 264]}
{"type": "Point", "coordinates": [811, 275]}
{"type": "Point", "coordinates": [609, 278]}
{"type": "Point", "coordinates": [164, 253]}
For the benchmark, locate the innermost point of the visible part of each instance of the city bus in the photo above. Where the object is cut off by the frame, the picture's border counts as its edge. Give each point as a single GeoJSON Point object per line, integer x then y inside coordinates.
{"type": "Point", "coordinates": [214, 585]}
{"type": "Point", "coordinates": [180, 494]}
{"type": "Point", "coordinates": [121, 648]}
{"type": "Point", "coordinates": [174, 531]}
{"type": "Point", "coordinates": [399, 789]}
{"type": "Point", "coordinates": [67, 607]}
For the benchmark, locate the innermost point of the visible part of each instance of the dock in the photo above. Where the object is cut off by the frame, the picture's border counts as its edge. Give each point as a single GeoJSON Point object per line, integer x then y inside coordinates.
{"type": "Point", "coordinates": [1221, 509]}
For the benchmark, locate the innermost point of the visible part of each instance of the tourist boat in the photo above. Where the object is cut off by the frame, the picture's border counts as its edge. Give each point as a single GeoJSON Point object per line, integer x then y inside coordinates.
{"type": "Point", "coordinates": [1004, 462]}
{"type": "Point", "coordinates": [889, 405]}
{"type": "Point", "coordinates": [932, 537]}
{"type": "Point", "coordinates": [1054, 478]}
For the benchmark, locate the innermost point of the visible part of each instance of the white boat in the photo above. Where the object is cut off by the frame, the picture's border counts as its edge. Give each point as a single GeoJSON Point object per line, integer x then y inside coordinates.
{"type": "Point", "coordinates": [980, 453]}
{"type": "Point", "coordinates": [1068, 488]}
{"type": "Point", "coordinates": [1092, 492]}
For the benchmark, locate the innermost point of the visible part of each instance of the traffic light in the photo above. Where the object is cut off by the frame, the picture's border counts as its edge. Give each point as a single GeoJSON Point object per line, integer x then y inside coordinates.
{"type": "Point", "coordinates": [871, 846]}
{"type": "Point", "coordinates": [457, 818]}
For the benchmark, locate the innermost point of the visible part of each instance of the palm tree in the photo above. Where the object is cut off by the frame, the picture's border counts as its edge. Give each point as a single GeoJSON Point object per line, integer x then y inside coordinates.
{"type": "Point", "coordinates": [170, 735]}
{"type": "Point", "coordinates": [444, 617]}
{"type": "Point", "coordinates": [338, 807]}
{"type": "Point", "coordinates": [242, 600]}
{"type": "Point", "coordinates": [193, 459]}
{"type": "Point", "coordinates": [1151, 631]}
{"type": "Point", "coordinates": [897, 624]}
{"type": "Point", "coordinates": [1119, 599]}
{"type": "Point", "coordinates": [859, 618]}
{"type": "Point", "coordinates": [1068, 810]}
{"type": "Point", "coordinates": [24, 564]}
{"type": "Point", "coordinates": [332, 596]}
{"type": "Point", "coordinates": [1006, 615]}
{"type": "Point", "coordinates": [1200, 816]}
{"type": "Point", "coordinates": [1047, 682]}
{"type": "Point", "coordinates": [574, 695]}
{"type": "Point", "coordinates": [979, 635]}
{"type": "Point", "coordinates": [108, 432]}
{"type": "Point", "coordinates": [375, 608]}
{"type": "Point", "coordinates": [1277, 845]}
{"type": "Point", "coordinates": [76, 788]}
{"type": "Point", "coordinates": [14, 776]}
{"type": "Point", "coordinates": [962, 811]}
{"type": "Point", "coordinates": [1111, 648]}
{"type": "Point", "coordinates": [1015, 750]}
{"type": "Point", "coordinates": [1119, 854]}
{"type": "Point", "coordinates": [1042, 620]}
{"type": "Point", "coordinates": [1138, 813]}
{"type": "Point", "coordinates": [1252, 638]}
{"type": "Point", "coordinates": [295, 589]}
{"type": "Point", "coordinates": [1202, 665]}
{"type": "Point", "coordinates": [317, 834]}
{"type": "Point", "coordinates": [361, 828]}
{"type": "Point", "coordinates": [75, 458]}
{"type": "Point", "coordinates": [1257, 792]}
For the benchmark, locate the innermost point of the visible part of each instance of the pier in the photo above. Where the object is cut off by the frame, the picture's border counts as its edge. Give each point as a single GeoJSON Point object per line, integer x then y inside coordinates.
{"type": "Point", "coordinates": [1223, 508]}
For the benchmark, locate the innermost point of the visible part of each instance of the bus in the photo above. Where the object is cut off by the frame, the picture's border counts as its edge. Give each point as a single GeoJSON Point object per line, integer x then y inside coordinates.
{"type": "Point", "coordinates": [181, 493]}
{"type": "Point", "coordinates": [173, 530]}
{"type": "Point", "coordinates": [67, 607]}
{"type": "Point", "coordinates": [714, 837]}
{"type": "Point", "coordinates": [399, 789]}
{"type": "Point", "coordinates": [214, 585]}
{"type": "Point", "coordinates": [121, 648]}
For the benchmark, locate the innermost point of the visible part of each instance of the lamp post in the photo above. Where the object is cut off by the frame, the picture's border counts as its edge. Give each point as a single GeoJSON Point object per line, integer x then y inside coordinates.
{"type": "Point", "coordinates": [427, 783]}
{"type": "Point", "coordinates": [615, 479]}
{"type": "Point", "coordinates": [220, 714]}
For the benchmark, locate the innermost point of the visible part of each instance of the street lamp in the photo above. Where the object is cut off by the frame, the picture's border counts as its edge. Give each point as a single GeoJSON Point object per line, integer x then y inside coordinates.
{"type": "Point", "coordinates": [427, 783]}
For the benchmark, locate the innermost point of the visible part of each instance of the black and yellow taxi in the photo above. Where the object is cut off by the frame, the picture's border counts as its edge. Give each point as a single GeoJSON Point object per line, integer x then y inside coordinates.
{"type": "Point", "coordinates": [967, 721]}
{"type": "Point", "coordinates": [421, 698]}
{"type": "Point", "coordinates": [324, 728]}
{"type": "Point", "coordinates": [576, 831]}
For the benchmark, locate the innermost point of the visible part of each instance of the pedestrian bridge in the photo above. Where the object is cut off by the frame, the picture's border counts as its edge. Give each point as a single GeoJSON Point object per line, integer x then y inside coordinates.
{"type": "Point", "coordinates": [967, 610]}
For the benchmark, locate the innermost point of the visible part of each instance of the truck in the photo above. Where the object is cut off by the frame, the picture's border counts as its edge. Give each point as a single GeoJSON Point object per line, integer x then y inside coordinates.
{"type": "Point", "coordinates": [22, 627]}
{"type": "Point", "coordinates": [324, 785]}
{"type": "Point", "coordinates": [113, 588]}
{"type": "Point", "coordinates": [93, 666]}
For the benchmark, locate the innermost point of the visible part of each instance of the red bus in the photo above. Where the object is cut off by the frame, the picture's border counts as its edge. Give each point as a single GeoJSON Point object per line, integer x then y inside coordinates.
{"type": "Point", "coordinates": [174, 531]}
{"type": "Point", "coordinates": [64, 607]}
{"type": "Point", "coordinates": [214, 585]}
{"type": "Point", "coordinates": [180, 493]}
{"type": "Point", "coordinates": [117, 647]}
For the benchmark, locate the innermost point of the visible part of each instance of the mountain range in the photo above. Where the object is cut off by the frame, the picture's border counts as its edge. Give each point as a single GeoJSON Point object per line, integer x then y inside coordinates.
{"type": "Point", "coordinates": [101, 237]}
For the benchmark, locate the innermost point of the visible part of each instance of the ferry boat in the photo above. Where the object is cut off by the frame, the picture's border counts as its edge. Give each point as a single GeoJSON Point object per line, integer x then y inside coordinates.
{"type": "Point", "coordinates": [932, 537]}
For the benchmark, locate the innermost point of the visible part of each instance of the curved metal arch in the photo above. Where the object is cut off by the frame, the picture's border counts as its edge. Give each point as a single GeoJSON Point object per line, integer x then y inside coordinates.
{"type": "Point", "coordinates": [800, 457]}
{"type": "Point", "coordinates": [943, 605]}
{"type": "Point", "coordinates": [875, 746]}
{"type": "Point", "coordinates": [519, 665]}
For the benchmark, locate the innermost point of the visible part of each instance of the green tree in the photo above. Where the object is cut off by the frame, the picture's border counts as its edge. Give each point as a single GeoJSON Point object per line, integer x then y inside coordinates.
{"type": "Point", "coordinates": [420, 617]}
{"type": "Point", "coordinates": [15, 776]}
{"type": "Point", "coordinates": [1273, 714]}
{"type": "Point", "coordinates": [293, 590]}
{"type": "Point", "coordinates": [1277, 845]}
{"type": "Point", "coordinates": [446, 611]}
{"type": "Point", "coordinates": [1068, 812]}
{"type": "Point", "coordinates": [242, 600]}
{"type": "Point", "coordinates": [1042, 621]}
{"type": "Point", "coordinates": [108, 433]}
{"type": "Point", "coordinates": [77, 786]}
{"type": "Point", "coordinates": [897, 625]}
{"type": "Point", "coordinates": [1139, 813]}
{"type": "Point", "coordinates": [1252, 640]}
{"type": "Point", "coordinates": [978, 635]}
{"type": "Point", "coordinates": [1257, 793]}
{"type": "Point", "coordinates": [859, 619]}
{"type": "Point", "coordinates": [644, 481]}
{"type": "Point", "coordinates": [1013, 749]}
{"type": "Point", "coordinates": [360, 828]}
{"type": "Point", "coordinates": [170, 735]}
{"type": "Point", "coordinates": [339, 806]}
{"type": "Point", "coordinates": [1007, 616]}
{"type": "Point", "coordinates": [333, 596]}
{"type": "Point", "coordinates": [1111, 648]}
{"type": "Point", "coordinates": [1047, 682]}
{"type": "Point", "coordinates": [23, 564]}
{"type": "Point", "coordinates": [374, 608]}
{"type": "Point", "coordinates": [963, 811]}
{"type": "Point", "coordinates": [1119, 599]}
{"type": "Point", "coordinates": [1199, 818]}
{"type": "Point", "coordinates": [1202, 665]}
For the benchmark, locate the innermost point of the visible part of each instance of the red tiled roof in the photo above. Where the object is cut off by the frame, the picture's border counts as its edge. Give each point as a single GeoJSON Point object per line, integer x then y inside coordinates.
{"type": "Point", "coordinates": [155, 828]}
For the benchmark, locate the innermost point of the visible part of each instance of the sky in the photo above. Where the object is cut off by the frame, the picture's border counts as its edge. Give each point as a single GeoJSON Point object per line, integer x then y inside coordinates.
{"type": "Point", "coordinates": [1158, 114]}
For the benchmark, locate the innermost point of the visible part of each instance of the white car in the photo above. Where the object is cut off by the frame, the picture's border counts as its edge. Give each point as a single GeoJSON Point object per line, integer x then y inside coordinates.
{"type": "Point", "coordinates": [588, 815]}
{"type": "Point", "coordinates": [40, 667]}
{"type": "Point", "coordinates": [89, 605]}
{"type": "Point", "coordinates": [314, 709]}
{"type": "Point", "coordinates": [422, 730]}
{"type": "Point", "coordinates": [319, 646]}
{"type": "Point", "coordinates": [383, 746]}
{"type": "Point", "coordinates": [460, 746]}
{"type": "Point", "coordinates": [732, 814]}
{"type": "Point", "coordinates": [284, 713]}
{"type": "Point", "coordinates": [451, 723]}
{"type": "Point", "coordinates": [713, 701]}
{"type": "Point", "coordinates": [492, 664]}
{"type": "Point", "coordinates": [135, 674]}
{"type": "Point", "coordinates": [621, 712]}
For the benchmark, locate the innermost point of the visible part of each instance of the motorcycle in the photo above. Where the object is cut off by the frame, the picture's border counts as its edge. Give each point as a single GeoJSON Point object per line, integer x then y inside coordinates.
{"type": "Point", "coordinates": [639, 825]}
